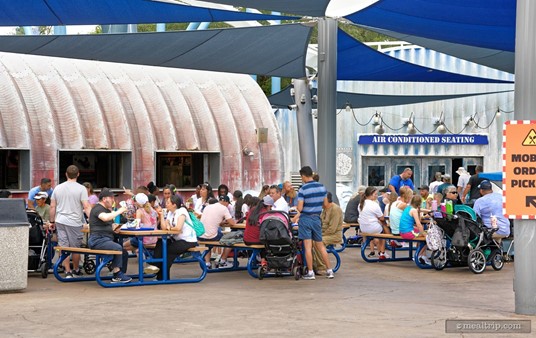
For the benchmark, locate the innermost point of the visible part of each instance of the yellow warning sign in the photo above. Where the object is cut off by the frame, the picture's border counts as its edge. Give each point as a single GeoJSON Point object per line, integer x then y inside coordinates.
{"type": "Point", "coordinates": [530, 140]}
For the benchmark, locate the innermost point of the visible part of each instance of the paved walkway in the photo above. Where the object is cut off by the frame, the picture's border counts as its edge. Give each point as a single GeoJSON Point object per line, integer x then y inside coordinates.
{"type": "Point", "coordinates": [364, 300]}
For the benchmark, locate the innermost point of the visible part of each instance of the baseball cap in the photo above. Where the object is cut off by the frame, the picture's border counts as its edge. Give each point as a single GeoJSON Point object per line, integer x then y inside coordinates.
{"type": "Point", "coordinates": [424, 187]}
{"type": "Point", "coordinates": [268, 200]}
{"type": "Point", "coordinates": [445, 176]}
{"type": "Point", "coordinates": [225, 198]}
{"type": "Point", "coordinates": [485, 185]}
{"type": "Point", "coordinates": [41, 194]}
{"type": "Point", "coordinates": [383, 190]}
{"type": "Point", "coordinates": [141, 198]}
{"type": "Point", "coordinates": [105, 192]}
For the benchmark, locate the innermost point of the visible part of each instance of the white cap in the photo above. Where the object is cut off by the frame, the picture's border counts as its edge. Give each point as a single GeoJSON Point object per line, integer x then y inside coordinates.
{"type": "Point", "coordinates": [141, 198]}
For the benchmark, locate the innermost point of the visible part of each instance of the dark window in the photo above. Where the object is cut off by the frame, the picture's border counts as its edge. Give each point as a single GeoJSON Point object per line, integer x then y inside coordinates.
{"type": "Point", "coordinates": [432, 169]}
{"type": "Point", "coordinates": [10, 176]}
{"type": "Point", "coordinates": [376, 175]}
{"type": "Point", "coordinates": [184, 170]}
{"type": "Point", "coordinates": [100, 168]}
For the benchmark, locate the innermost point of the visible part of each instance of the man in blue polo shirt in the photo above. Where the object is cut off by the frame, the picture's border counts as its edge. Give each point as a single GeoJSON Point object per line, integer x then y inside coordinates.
{"type": "Point", "coordinates": [401, 180]}
{"type": "Point", "coordinates": [311, 198]}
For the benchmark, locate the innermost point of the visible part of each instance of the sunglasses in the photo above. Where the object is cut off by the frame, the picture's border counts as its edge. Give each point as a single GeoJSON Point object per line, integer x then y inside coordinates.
{"type": "Point", "coordinates": [452, 192]}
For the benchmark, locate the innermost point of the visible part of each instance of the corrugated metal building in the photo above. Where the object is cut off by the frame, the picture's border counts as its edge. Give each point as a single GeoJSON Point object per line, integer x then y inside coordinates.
{"type": "Point", "coordinates": [126, 125]}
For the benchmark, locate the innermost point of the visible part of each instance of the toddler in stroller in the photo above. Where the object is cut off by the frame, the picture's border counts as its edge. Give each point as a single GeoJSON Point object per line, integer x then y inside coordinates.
{"type": "Point", "coordinates": [282, 247]}
{"type": "Point", "coordinates": [466, 242]}
{"type": "Point", "coordinates": [38, 245]}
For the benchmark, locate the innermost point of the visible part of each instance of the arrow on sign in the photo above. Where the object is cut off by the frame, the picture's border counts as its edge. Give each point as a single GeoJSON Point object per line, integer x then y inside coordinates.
{"type": "Point", "coordinates": [530, 200]}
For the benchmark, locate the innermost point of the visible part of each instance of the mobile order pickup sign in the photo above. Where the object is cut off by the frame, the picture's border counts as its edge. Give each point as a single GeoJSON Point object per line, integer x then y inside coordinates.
{"type": "Point", "coordinates": [519, 171]}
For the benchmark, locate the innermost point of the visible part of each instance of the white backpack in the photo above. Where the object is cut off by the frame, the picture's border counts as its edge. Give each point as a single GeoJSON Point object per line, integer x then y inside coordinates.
{"type": "Point", "coordinates": [434, 237]}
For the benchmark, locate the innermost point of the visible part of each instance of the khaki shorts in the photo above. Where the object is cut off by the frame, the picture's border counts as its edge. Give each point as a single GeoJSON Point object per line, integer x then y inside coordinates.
{"type": "Point", "coordinates": [69, 236]}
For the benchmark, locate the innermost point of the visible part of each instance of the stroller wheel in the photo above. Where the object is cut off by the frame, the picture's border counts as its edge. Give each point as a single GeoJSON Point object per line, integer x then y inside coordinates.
{"type": "Point", "coordinates": [44, 270]}
{"type": "Point", "coordinates": [89, 267]}
{"type": "Point", "coordinates": [476, 261]}
{"type": "Point", "coordinates": [296, 272]}
{"type": "Point", "coordinates": [260, 273]}
{"type": "Point", "coordinates": [439, 259]}
{"type": "Point", "coordinates": [496, 259]}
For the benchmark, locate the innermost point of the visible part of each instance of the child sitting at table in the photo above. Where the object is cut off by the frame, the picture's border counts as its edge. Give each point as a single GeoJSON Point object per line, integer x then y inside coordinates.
{"type": "Point", "coordinates": [410, 224]}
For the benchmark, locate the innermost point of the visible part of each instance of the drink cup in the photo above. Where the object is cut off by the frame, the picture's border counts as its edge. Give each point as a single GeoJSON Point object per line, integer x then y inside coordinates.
{"type": "Point", "coordinates": [123, 204]}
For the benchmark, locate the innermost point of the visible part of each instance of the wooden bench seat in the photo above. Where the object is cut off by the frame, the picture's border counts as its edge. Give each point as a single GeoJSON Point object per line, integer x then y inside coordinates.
{"type": "Point", "coordinates": [237, 245]}
{"type": "Point", "coordinates": [88, 251]}
{"type": "Point", "coordinates": [412, 252]}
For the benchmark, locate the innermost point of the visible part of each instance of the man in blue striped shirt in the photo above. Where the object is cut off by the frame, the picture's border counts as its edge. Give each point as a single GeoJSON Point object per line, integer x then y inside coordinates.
{"type": "Point", "coordinates": [311, 198]}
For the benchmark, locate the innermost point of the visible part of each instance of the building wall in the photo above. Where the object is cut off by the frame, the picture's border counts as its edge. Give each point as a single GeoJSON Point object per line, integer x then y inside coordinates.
{"type": "Point", "coordinates": [52, 104]}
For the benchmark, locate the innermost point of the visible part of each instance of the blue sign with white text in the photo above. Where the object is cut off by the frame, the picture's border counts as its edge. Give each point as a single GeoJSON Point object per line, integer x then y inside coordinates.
{"type": "Point", "coordinates": [423, 139]}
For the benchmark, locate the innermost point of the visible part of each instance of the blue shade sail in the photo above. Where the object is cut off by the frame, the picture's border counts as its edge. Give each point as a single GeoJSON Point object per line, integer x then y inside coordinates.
{"type": "Point", "coordinates": [356, 61]}
{"type": "Point", "coordinates": [301, 7]}
{"type": "Point", "coordinates": [479, 23]}
{"type": "Point", "coordinates": [87, 12]}
{"type": "Point", "coordinates": [266, 50]}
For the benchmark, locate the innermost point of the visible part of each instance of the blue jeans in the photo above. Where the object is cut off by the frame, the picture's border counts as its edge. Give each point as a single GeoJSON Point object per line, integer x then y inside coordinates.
{"type": "Point", "coordinates": [103, 242]}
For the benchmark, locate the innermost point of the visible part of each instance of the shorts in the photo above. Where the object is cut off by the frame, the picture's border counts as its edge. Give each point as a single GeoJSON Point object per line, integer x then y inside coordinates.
{"type": "Point", "coordinates": [69, 236]}
{"type": "Point", "coordinates": [134, 242]}
{"type": "Point", "coordinates": [409, 235]}
{"type": "Point", "coordinates": [310, 227]}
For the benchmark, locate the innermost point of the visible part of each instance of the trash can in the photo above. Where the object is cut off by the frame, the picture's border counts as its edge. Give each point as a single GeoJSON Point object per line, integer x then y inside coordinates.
{"type": "Point", "coordinates": [14, 232]}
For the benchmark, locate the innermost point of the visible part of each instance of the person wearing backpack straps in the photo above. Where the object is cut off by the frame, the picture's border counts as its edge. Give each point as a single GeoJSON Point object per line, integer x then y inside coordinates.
{"type": "Point", "coordinates": [184, 236]}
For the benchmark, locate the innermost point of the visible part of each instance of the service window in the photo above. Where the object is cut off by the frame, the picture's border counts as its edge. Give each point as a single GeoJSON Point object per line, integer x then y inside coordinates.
{"type": "Point", "coordinates": [186, 170]}
{"type": "Point", "coordinates": [109, 169]}
{"type": "Point", "coordinates": [432, 169]}
{"type": "Point", "coordinates": [376, 175]}
{"type": "Point", "coordinates": [15, 174]}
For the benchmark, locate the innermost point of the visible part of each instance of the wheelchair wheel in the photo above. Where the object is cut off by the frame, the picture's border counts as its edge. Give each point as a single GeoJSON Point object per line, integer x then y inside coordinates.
{"type": "Point", "coordinates": [496, 259]}
{"type": "Point", "coordinates": [260, 272]}
{"type": "Point", "coordinates": [476, 261]}
{"type": "Point", "coordinates": [439, 259]}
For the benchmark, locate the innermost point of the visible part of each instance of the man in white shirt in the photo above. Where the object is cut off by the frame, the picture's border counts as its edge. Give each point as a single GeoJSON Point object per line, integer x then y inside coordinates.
{"type": "Point", "coordinates": [279, 202]}
{"type": "Point", "coordinates": [462, 180]}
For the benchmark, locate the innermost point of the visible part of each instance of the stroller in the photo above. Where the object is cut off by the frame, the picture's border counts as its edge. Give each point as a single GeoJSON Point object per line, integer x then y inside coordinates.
{"type": "Point", "coordinates": [282, 246]}
{"type": "Point", "coordinates": [466, 242]}
{"type": "Point", "coordinates": [38, 245]}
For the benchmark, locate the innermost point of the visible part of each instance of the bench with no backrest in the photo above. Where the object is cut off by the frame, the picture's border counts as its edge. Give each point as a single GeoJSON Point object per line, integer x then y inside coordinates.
{"type": "Point", "coordinates": [411, 250]}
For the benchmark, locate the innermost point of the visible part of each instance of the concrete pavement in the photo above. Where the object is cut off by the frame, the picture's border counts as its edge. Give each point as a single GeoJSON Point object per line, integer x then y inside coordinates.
{"type": "Point", "coordinates": [364, 300]}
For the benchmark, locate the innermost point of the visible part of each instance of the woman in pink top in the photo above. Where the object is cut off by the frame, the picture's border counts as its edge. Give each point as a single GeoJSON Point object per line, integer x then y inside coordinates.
{"type": "Point", "coordinates": [147, 218]}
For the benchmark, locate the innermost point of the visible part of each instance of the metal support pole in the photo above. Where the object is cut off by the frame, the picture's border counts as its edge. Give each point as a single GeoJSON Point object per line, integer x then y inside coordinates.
{"type": "Point", "coordinates": [327, 103]}
{"type": "Point", "coordinates": [525, 103]}
{"type": "Point", "coordinates": [304, 119]}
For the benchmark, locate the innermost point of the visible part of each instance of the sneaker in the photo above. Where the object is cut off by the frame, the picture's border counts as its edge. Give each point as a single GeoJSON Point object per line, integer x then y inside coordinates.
{"type": "Point", "coordinates": [77, 273]}
{"type": "Point", "coordinates": [395, 244]}
{"type": "Point", "coordinates": [69, 275]}
{"type": "Point", "coordinates": [225, 264]}
{"type": "Point", "coordinates": [329, 274]}
{"type": "Point", "coordinates": [383, 256]}
{"type": "Point", "coordinates": [309, 276]}
{"type": "Point", "coordinates": [120, 277]}
{"type": "Point", "coordinates": [209, 266]}
{"type": "Point", "coordinates": [405, 244]}
{"type": "Point", "coordinates": [425, 260]}
{"type": "Point", "coordinates": [151, 269]}
{"type": "Point", "coordinates": [371, 254]}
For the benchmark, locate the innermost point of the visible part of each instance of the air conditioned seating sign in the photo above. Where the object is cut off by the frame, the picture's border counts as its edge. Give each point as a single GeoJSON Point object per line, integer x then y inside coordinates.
{"type": "Point", "coordinates": [519, 178]}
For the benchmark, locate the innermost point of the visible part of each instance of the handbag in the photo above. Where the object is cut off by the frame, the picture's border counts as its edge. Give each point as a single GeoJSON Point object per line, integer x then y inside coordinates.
{"type": "Point", "coordinates": [196, 224]}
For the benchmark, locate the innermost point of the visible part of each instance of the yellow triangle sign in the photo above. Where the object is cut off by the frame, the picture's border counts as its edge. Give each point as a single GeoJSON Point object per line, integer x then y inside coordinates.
{"type": "Point", "coordinates": [530, 140]}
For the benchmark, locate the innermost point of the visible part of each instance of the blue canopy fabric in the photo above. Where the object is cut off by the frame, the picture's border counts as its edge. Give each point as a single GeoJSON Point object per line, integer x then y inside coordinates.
{"type": "Point", "coordinates": [356, 61]}
{"type": "Point", "coordinates": [301, 7]}
{"type": "Point", "coordinates": [283, 99]}
{"type": "Point", "coordinates": [493, 58]}
{"type": "Point", "coordinates": [479, 23]}
{"type": "Point", "coordinates": [85, 12]}
{"type": "Point", "coordinates": [277, 50]}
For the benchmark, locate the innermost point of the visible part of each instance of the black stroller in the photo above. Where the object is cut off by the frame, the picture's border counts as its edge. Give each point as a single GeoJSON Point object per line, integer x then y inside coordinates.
{"type": "Point", "coordinates": [466, 242]}
{"type": "Point", "coordinates": [38, 245]}
{"type": "Point", "coordinates": [282, 247]}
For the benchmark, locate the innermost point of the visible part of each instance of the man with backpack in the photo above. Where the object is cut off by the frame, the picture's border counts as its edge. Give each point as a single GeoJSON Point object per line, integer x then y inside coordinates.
{"type": "Point", "coordinates": [311, 198]}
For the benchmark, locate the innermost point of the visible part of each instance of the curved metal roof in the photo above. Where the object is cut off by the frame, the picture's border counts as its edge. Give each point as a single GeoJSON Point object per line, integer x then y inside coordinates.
{"type": "Point", "coordinates": [49, 104]}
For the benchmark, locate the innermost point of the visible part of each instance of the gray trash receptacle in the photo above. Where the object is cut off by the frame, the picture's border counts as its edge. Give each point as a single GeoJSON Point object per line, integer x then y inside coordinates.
{"type": "Point", "coordinates": [14, 232]}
